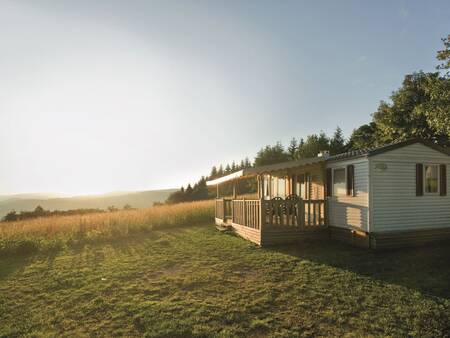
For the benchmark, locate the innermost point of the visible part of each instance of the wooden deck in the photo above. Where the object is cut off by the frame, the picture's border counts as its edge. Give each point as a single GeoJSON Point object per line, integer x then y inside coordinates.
{"type": "Point", "coordinates": [276, 221]}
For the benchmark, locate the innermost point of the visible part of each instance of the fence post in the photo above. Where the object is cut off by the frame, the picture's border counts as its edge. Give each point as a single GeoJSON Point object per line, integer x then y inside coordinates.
{"type": "Point", "coordinates": [245, 212]}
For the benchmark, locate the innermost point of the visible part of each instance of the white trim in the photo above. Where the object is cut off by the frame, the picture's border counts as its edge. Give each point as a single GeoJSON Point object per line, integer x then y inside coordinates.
{"type": "Point", "coordinates": [223, 179]}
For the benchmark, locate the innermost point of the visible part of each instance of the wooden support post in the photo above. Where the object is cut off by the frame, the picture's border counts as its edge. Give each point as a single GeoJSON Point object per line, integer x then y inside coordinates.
{"type": "Point", "coordinates": [300, 212]}
{"type": "Point", "coordinates": [217, 190]}
{"type": "Point", "coordinates": [309, 212]}
{"type": "Point", "coordinates": [234, 189]}
{"type": "Point", "coordinates": [270, 186]}
{"type": "Point", "coordinates": [320, 212]}
{"type": "Point", "coordinates": [223, 209]}
{"type": "Point", "coordinates": [262, 215]}
{"type": "Point", "coordinates": [258, 179]}
{"type": "Point", "coordinates": [314, 213]}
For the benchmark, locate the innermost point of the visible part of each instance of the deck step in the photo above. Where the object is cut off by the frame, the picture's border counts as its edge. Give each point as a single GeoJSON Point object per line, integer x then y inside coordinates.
{"type": "Point", "coordinates": [224, 227]}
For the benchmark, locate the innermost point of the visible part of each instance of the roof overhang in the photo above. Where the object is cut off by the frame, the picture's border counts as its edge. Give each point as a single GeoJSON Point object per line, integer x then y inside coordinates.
{"type": "Point", "coordinates": [229, 177]}
{"type": "Point", "coordinates": [266, 169]}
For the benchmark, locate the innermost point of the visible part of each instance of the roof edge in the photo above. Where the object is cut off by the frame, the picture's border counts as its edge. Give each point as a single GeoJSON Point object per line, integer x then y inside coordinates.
{"type": "Point", "coordinates": [408, 142]}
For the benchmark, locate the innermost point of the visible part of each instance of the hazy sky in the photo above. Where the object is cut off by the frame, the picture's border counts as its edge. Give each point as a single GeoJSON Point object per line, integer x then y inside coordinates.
{"type": "Point", "coordinates": [99, 96]}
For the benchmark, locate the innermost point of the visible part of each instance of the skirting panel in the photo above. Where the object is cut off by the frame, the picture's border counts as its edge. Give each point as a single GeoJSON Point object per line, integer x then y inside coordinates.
{"type": "Point", "coordinates": [353, 237]}
{"type": "Point", "coordinates": [253, 235]}
{"type": "Point", "coordinates": [282, 235]}
{"type": "Point", "coordinates": [397, 239]}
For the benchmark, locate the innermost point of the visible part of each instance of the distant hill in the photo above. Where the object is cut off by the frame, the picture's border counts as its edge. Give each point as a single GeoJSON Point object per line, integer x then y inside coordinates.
{"type": "Point", "coordinates": [28, 202]}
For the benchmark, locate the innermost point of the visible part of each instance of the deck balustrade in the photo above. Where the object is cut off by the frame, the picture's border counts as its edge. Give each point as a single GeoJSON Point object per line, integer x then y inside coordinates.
{"type": "Point", "coordinates": [276, 212]}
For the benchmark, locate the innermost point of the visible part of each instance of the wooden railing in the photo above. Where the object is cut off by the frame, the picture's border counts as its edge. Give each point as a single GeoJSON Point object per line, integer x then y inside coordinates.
{"type": "Point", "coordinates": [276, 212]}
{"type": "Point", "coordinates": [247, 213]}
{"type": "Point", "coordinates": [219, 209]}
{"type": "Point", "coordinates": [314, 211]}
{"type": "Point", "coordinates": [223, 208]}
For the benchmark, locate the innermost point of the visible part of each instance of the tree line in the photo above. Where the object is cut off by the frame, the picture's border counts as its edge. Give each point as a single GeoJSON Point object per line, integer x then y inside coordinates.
{"type": "Point", "coordinates": [419, 108]}
{"type": "Point", "coordinates": [41, 212]}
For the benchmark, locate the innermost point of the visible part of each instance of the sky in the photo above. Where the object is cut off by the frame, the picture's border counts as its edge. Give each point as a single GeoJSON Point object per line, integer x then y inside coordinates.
{"type": "Point", "coordinates": [99, 96]}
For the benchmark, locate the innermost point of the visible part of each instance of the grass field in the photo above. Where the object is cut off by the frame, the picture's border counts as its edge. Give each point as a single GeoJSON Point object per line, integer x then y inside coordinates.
{"type": "Point", "coordinates": [52, 234]}
{"type": "Point", "coordinates": [195, 281]}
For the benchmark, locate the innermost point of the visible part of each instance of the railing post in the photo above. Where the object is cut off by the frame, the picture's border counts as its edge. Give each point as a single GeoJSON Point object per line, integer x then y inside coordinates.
{"type": "Point", "coordinates": [262, 217]}
{"type": "Point", "coordinates": [300, 212]}
{"type": "Point", "coordinates": [245, 212]}
{"type": "Point", "coordinates": [232, 211]}
{"type": "Point", "coordinates": [223, 209]}
{"type": "Point", "coordinates": [309, 212]}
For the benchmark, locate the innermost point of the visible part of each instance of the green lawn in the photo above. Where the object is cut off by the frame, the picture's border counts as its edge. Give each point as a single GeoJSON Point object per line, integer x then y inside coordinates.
{"type": "Point", "coordinates": [199, 282]}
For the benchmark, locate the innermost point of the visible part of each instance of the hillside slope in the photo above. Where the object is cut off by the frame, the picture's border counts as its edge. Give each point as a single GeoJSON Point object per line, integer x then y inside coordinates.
{"type": "Point", "coordinates": [140, 199]}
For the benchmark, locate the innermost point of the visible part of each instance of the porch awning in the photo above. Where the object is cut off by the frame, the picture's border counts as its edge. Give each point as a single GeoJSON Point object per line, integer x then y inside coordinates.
{"type": "Point", "coordinates": [266, 169]}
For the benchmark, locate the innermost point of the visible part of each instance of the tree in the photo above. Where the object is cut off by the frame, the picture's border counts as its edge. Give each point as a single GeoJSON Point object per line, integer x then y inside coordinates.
{"type": "Point", "coordinates": [313, 145]}
{"type": "Point", "coordinates": [363, 137]}
{"type": "Point", "coordinates": [220, 171]}
{"type": "Point", "coordinates": [127, 207]}
{"type": "Point", "coordinates": [337, 142]}
{"type": "Point", "coordinates": [188, 192]}
{"type": "Point", "coordinates": [292, 148]}
{"type": "Point", "coordinates": [248, 164]}
{"type": "Point", "coordinates": [242, 165]}
{"type": "Point", "coordinates": [271, 154]}
{"type": "Point", "coordinates": [200, 190]}
{"type": "Point", "coordinates": [213, 173]}
{"type": "Point", "coordinates": [419, 109]}
{"type": "Point", "coordinates": [112, 208]}
{"type": "Point", "coordinates": [39, 210]}
{"type": "Point", "coordinates": [444, 55]}
{"type": "Point", "coordinates": [233, 166]}
{"type": "Point", "coordinates": [10, 216]}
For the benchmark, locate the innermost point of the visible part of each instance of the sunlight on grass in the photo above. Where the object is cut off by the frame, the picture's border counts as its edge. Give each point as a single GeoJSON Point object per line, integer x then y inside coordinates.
{"type": "Point", "coordinates": [54, 233]}
{"type": "Point", "coordinates": [197, 282]}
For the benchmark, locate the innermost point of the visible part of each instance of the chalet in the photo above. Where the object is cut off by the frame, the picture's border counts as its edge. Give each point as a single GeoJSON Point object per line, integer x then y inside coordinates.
{"type": "Point", "coordinates": [394, 195]}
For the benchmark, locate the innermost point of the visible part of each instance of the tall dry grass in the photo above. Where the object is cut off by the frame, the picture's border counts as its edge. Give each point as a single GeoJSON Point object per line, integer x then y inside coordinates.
{"type": "Point", "coordinates": [56, 233]}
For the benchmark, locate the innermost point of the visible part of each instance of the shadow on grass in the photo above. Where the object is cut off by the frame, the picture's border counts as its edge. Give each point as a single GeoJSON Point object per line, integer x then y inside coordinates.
{"type": "Point", "coordinates": [425, 269]}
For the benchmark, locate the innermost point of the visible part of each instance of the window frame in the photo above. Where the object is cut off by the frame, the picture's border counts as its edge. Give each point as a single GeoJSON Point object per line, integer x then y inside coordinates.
{"type": "Point", "coordinates": [438, 170]}
{"type": "Point", "coordinates": [345, 181]}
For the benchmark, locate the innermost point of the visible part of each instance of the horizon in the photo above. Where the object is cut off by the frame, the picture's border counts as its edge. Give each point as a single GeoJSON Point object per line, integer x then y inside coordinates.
{"type": "Point", "coordinates": [101, 97]}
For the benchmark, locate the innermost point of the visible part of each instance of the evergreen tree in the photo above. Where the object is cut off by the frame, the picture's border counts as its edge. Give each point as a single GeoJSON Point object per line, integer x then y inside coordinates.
{"type": "Point", "coordinates": [233, 166]}
{"type": "Point", "coordinates": [271, 154]}
{"type": "Point", "coordinates": [220, 171]}
{"type": "Point", "coordinates": [213, 173]}
{"type": "Point", "coordinates": [248, 164]}
{"type": "Point", "coordinates": [337, 142]}
{"type": "Point", "coordinates": [188, 193]}
{"type": "Point", "coordinates": [293, 147]}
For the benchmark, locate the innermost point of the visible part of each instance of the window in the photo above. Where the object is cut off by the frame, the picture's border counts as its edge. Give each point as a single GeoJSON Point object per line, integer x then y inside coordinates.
{"type": "Point", "coordinates": [339, 183]}
{"type": "Point", "coordinates": [431, 177]}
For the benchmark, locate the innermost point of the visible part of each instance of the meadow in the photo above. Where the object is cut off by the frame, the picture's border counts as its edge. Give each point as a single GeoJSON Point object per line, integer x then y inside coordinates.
{"type": "Point", "coordinates": [183, 278]}
{"type": "Point", "coordinates": [50, 234]}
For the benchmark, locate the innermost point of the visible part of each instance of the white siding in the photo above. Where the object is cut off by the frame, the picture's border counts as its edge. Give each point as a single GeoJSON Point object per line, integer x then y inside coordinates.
{"type": "Point", "coordinates": [394, 204]}
{"type": "Point", "coordinates": [351, 212]}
